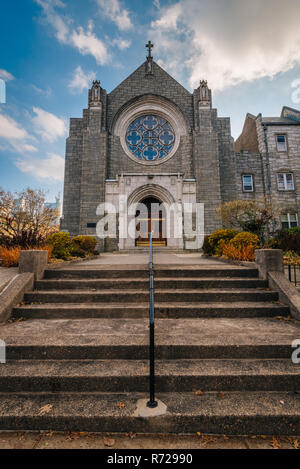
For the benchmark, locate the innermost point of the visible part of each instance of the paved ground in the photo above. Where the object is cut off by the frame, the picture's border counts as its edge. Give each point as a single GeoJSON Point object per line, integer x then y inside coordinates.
{"type": "Point", "coordinates": [160, 257]}
{"type": "Point", "coordinates": [5, 276]}
{"type": "Point", "coordinates": [52, 440]}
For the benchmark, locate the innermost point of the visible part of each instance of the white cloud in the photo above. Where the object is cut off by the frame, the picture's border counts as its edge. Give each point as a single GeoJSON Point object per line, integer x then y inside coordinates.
{"type": "Point", "coordinates": [47, 93]}
{"type": "Point", "coordinates": [112, 9]}
{"type": "Point", "coordinates": [14, 137]}
{"type": "Point", "coordinates": [56, 21]}
{"type": "Point", "coordinates": [5, 75]}
{"type": "Point", "coordinates": [50, 168]}
{"type": "Point", "coordinates": [81, 80]}
{"type": "Point", "coordinates": [121, 43]}
{"type": "Point", "coordinates": [86, 42]}
{"type": "Point", "coordinates": [228, 42]}
{"type": "Point", "coordinates": [49, 126]}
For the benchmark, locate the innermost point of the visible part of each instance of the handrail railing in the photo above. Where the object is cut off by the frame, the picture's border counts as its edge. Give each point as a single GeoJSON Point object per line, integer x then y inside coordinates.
{"type": "Point", "coordinates": [152, 402]}
{"type": "Point", "coordinates": [292, 273]}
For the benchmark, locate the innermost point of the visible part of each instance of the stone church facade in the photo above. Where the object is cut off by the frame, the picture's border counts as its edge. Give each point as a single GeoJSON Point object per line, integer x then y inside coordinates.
{"type": "Point", "coordinates": [152, 140]}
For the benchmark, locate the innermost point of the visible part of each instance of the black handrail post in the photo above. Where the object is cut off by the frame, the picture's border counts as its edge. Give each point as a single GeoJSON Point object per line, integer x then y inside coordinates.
{"type": "Point", "coordinates": [152, 402]}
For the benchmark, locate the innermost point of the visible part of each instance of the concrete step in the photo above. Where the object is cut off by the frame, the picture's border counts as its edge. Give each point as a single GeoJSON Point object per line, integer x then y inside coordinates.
{"type": "Point", "coordinates": [142, 296]}
{"type": "Point", "coordinates": [200, 338]}
{"type": "Point", "coordinates": [140, 310]}
{"type": "Point", "coordinates": [143, 284]}
{"type": "Point", "coordinates": [142, 272]}
{"type": "Point", "coordinates": [238, 413]}
{"type": "Point", "coordinates": [133, 375]}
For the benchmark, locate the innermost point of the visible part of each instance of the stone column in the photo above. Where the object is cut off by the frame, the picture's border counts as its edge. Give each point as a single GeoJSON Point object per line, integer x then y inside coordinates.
{"type": "Point", "coordinates": [34, 262]}
{"type": "Point", "coordinates": [269, 260]}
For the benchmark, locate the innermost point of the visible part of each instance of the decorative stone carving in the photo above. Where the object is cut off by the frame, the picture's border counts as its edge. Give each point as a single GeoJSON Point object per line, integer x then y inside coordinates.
{"type": "Point", "coordinates": [95, 97]}
{"type": "Point", "coordinates": [205, 98]}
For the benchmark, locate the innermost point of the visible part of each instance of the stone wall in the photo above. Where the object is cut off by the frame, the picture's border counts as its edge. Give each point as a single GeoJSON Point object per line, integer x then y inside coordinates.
{"type": "Point", "coordinates": [94, 153]}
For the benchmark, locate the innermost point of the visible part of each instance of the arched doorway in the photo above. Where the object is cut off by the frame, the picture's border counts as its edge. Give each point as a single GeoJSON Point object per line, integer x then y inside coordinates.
{"type": "Point", "coordinates": [150, 217]}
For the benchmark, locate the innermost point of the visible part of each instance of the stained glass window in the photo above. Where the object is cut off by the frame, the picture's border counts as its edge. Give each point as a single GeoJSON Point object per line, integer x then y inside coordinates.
{"type": "Point", "coordinates": [150, 138]}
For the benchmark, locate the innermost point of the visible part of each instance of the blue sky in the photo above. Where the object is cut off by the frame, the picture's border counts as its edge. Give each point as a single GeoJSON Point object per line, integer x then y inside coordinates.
{"type": "Point", "coordinates": [51, 50]}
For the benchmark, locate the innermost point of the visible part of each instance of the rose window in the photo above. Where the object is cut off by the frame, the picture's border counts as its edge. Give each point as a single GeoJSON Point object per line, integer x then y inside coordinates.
{"type": "Point", "coordinates": [150, 138]}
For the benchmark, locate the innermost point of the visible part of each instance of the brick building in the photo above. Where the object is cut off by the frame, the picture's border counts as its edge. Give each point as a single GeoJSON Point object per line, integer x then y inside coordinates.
{"type": "Point", "coordinates": [152, 141]}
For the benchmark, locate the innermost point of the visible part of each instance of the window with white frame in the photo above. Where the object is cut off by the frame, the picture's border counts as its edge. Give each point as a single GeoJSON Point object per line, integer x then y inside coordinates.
{"type": "Point", "coordinates": [248, 183]}
{"type": "Point", "coordinates": [285, 181]}
{"type": "Point", "coordinates": [289, 220]}
{"type": "Point", "coordinates": [281, 142]}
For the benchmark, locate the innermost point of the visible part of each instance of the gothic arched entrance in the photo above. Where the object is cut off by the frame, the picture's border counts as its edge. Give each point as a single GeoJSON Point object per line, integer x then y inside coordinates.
{"type": "Point", "coordinates": [150, 217]}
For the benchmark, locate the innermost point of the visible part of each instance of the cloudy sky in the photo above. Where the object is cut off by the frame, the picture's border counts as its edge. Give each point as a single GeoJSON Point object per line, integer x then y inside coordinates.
{"type": "Point", "coordinates": [248, 50]}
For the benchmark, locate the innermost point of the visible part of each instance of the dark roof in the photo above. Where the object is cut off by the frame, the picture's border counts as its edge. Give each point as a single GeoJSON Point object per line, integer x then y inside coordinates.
{"type": "Point", "coordinates": [280, 121]}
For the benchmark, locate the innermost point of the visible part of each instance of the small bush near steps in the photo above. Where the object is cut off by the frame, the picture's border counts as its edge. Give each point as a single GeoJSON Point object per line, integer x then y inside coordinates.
{"type": "Point", "coordinates": [9, 257]}
{"type": "Point", "coordinates": [64, 247]}
{"type": "Point", "coordinates": [212, 246]}
{"type": "Point", "coordinates": [83, 245]}
{"type": "Point", "coordinates": [232, 244]}
{"type": "Point", "coordinates": [61, 245]}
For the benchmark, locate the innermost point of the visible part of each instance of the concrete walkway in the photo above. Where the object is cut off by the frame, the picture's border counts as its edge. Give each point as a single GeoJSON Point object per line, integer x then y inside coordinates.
{"type": "Point", "coordinates": [52, 440]}
{"type": "Point", "coordinates": [159, 258]}
{"type": "Point", "coordinates": [6, 275]}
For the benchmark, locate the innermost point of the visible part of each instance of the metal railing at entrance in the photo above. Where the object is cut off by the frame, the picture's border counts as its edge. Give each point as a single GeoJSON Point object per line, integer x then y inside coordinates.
{"type": "Point", "coordinates": [152, 402]}
{"type": "Point", "coordinates": [293, 272]}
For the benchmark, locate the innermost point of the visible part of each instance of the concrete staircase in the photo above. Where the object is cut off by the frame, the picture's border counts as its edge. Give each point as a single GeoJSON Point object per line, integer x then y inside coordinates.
{"type": "Point", "coordinates": [79, 360]}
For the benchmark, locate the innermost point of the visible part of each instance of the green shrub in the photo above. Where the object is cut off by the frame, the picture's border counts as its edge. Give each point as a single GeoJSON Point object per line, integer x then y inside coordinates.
{"type": "Point", "coordinates": [85, 244]}
{"type": "Point", "coordinates": [206, 248]}
{"type": "Point", "coordinates": [244, 239]}
{"type": "Point", "coordinates": [61, 245]}
{"type": "Point", "coordinates": [217, 236]}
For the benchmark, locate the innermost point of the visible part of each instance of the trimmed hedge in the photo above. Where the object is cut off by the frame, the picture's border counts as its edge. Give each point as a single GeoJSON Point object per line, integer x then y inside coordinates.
{"type": "Point", "coordinates": [86, 243]}
{"type": "Point", "coordinates": [61, 244]}
{"type": "Point", "coordinates": [218, 236]}
{"type": "Point", "coordinates": [64, 247]}
{"type": "Point", "coordinates": [245, 239]}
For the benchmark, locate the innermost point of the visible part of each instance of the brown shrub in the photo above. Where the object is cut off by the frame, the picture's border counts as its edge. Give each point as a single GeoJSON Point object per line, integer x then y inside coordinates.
{"type": "Point", "coordinates": [242, 253]}
{"type": "Point", "coordinates": [10, 256]}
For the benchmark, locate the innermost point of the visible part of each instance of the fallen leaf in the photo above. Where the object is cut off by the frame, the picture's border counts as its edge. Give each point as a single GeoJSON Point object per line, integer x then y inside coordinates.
{"type": "Point", "coordinates": [296, 444]}
{"type": "Point", "coordinates": [108, 442]}
{"type": "Point", "coordinates": [199, 433]}
{"type": "Point", "coordinates": [198, 393]}
{"type": "Point", "coordinates": [73, 436]}
{"type": "Point", "coordinates": [281, 402]}
{"type": "Point", "coordinates": [132, 435]}
{"type": "Point", "coordinates": [275, 443]}
{"type": "Point", "coordinates": [46, 409]}
{"type": "Point", "coordinates": [121, 405]}
{"type": "Point", "coordinates": [221, 395]}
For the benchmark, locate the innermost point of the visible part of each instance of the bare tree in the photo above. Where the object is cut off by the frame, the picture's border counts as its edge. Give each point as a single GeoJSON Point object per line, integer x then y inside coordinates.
{"type": "Point", "coordinates": [253, 215]}
{"type": "Point", "coordinates": [24, 214]}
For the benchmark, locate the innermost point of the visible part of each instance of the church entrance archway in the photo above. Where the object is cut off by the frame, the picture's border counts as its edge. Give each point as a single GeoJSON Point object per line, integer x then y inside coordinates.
{"type": "Point", "coordinates": [150, 217]}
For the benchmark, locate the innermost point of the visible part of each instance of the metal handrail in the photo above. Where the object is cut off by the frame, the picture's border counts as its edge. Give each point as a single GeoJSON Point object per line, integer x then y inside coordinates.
{"type": "Point", "coordinates": [152, 402]}
{"type": "Point", "coordinates": [293, 278]}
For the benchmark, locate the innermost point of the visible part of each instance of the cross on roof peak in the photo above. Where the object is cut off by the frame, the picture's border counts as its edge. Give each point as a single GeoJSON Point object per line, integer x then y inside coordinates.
{"type": "Point", "coordinates": [149, 46]}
